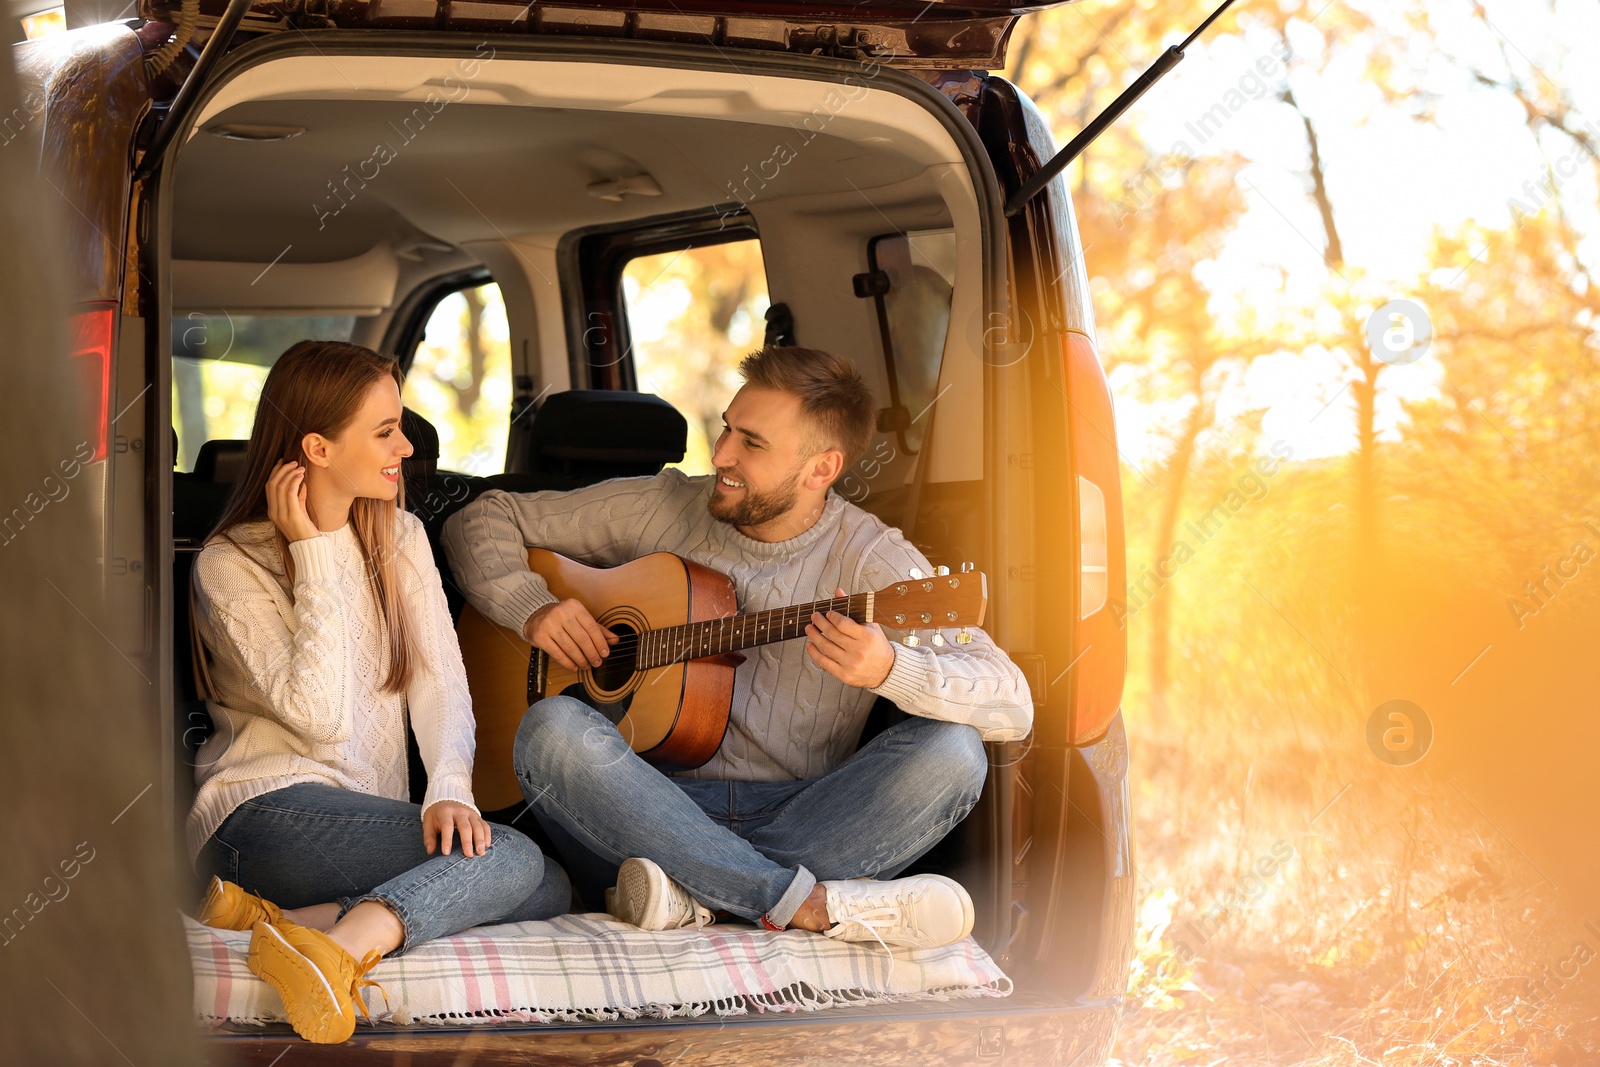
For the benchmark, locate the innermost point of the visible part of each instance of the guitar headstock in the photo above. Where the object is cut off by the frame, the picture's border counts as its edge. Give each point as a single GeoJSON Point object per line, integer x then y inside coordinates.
{"type": "Point", "coordinates": [938, 600]}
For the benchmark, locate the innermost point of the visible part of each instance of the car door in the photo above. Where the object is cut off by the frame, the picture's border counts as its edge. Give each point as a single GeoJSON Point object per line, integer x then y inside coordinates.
{"type": "Point", "coordinates": [1061, 542]}
{"type": "Point", "coordinates": [84, 94]}
{"type": "Point", "coordinates": [939, 34]}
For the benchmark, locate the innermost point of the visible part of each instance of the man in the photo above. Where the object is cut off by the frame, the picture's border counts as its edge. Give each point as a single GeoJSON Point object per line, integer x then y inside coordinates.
{"type": "Point", "coordinates": [784, 826]}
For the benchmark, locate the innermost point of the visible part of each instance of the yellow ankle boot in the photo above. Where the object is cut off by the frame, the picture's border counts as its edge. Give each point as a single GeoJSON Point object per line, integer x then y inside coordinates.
{"type": "Point", "coordinates": [228, 907]}
{"type": "Point", "coordinates": [318, 980]}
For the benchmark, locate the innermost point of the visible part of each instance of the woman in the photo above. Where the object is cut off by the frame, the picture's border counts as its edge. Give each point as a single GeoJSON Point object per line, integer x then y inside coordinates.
{"type": "Point", "coordinates": [320, 605]}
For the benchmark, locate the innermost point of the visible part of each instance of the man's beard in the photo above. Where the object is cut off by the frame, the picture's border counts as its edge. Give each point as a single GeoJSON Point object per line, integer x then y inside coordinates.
{"type": "Point", "coordinates": [751, 508]}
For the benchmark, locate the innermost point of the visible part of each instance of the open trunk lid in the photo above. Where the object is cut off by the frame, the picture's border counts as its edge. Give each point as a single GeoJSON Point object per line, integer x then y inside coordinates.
{"type": "Point", "coordinates": [934, 33]}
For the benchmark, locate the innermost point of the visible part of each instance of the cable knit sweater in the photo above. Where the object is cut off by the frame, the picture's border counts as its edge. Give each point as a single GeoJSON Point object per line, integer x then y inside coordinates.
{"type": "Point", "coordinates": [298, 678]}
{"type": "Point", "coordinates": [790, 719]}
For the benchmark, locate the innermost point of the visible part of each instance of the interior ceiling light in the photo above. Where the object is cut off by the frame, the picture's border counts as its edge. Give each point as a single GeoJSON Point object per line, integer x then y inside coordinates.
{"type": "Point", "coordinates": [254, 131]}
{"type": "Point", "coordinates": [615, 189]}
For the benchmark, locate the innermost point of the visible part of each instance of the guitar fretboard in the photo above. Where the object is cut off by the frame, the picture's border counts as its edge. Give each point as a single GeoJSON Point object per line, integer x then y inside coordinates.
{"type": "Point", "coordinates": [696, 640]}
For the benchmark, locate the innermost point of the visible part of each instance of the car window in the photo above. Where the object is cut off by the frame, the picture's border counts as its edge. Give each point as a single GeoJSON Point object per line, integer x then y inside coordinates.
{"type": "Point", "coordinates": [219, 362]}
{"type": "Point", "coordinates": [43, 23]}
{"type": "Point", "coordinates": [920, 270]}
{"type": "Point", "coordinates": [460, 379]}
{"type": "Point", "coordinates": [693, 314]}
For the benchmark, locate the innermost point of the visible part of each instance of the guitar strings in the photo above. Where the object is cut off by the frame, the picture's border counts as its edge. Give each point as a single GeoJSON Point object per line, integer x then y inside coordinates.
{"type": "Point", "coordinates": [802, 611]}
{"type": "Point", "coordinates": [761, 620]}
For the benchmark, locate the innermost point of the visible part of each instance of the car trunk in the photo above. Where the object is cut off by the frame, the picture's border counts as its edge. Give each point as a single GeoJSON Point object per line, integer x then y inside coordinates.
{"type": "Point", "coordinates": [213, 240]}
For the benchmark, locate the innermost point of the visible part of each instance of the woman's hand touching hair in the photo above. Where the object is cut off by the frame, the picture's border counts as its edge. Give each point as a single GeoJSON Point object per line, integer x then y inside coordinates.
{"type": "Point", "coordinates": [446, 819]}
{"type": "Point", "coordinates": [286, 502]}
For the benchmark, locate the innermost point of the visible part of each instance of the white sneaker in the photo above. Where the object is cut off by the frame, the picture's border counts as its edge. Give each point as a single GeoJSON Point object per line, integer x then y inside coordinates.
{"type": "Point", "coordinates": [647, 898]}
{"type": "Point", "coordinates": [923, 911]}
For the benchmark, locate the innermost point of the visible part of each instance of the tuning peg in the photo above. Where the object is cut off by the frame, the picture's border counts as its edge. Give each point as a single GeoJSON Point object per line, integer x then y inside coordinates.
{"type": "Point", "coordinates": [963, 638]}
{"type": "Point", "coordinates": [915, 572]}
{"type": "Point", "coordinates": [911, 640]}
{"type": "Point", "coordinates": [938, 638]}
{"type": "Point", "coordinates": [940, 572]}
{"type": "Point", "coordinates": [967, 568]}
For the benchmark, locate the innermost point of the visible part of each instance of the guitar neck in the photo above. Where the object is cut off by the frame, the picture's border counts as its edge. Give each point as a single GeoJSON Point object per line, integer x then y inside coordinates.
{"type": "Point", "coordinates": [696, 640]}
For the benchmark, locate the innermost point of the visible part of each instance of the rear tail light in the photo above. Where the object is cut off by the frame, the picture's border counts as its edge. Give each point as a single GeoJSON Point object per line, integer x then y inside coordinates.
{"type": "Point", "coordinates": [92, 331]}
{"type": "Point", "coordinates": [1094, 581]}
{"type": "Point", "coordinates": [1100, 653]}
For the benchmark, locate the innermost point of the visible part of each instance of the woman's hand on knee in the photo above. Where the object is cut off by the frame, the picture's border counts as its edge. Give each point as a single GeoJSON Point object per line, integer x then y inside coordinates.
{"type": "Point", "coordinates": [447, 819]}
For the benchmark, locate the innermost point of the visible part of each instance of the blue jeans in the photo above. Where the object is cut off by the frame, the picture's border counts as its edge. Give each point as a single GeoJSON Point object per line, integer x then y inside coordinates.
{"type": "Point", "coordinates": [755, 849]}
{"type": "Point", "coordinates": [311, 843]}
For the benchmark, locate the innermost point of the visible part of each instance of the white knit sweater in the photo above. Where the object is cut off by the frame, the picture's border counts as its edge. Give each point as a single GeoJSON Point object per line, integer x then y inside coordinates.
{"type": "Point", "coordinates": [299, 678]}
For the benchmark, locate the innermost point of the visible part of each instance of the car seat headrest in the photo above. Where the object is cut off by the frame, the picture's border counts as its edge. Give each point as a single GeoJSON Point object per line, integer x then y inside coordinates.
{"type": "Point", "coordinates": [594, 434]}
{"type": "Point", "coordinates": [220, 461]}
{"type": "Point", "coordinates": [424, 459]}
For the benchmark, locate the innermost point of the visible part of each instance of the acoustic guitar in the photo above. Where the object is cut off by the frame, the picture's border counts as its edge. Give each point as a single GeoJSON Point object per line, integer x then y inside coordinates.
{"type": "Point", "coordinates": [668, 682]}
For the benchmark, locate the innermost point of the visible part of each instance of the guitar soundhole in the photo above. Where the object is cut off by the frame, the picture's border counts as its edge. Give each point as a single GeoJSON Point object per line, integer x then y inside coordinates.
{"type": "Point", "coordinates": [613, 675]}
{"type": "Point", "coordinates": [617, 669]}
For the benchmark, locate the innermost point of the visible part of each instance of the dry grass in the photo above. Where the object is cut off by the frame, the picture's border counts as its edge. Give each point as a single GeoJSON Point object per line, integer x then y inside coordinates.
{"type": "Point", "coordinates": [1394, 926]}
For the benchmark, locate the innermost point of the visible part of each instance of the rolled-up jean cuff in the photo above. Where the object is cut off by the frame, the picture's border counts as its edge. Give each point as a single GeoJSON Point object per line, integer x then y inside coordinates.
{"type": "Point", "coordinates": [399, 910]}
{"type": "Point", "coordinates": [783, 911]}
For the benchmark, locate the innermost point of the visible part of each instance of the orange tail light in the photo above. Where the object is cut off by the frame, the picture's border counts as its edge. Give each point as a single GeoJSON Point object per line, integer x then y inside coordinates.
{"type": "Point", "coordinates": [1100, 652]}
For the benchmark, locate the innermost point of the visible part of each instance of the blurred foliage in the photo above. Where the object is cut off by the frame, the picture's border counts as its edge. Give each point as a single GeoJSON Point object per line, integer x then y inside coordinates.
{"type": "Point", "coordinates": [1405, 927]}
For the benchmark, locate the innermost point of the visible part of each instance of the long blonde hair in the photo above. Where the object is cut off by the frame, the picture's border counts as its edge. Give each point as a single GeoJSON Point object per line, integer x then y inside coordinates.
{"type": "Point", "coordinates": [318, 387]}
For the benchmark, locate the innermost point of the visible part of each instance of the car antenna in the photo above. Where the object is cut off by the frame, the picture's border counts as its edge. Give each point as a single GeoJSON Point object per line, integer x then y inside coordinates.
{"type": "Point", "coordinates": [1112, 113]}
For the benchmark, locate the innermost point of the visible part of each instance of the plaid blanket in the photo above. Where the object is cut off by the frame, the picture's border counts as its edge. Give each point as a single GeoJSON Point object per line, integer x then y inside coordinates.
{"type": "Point", "coordinates": [591, 967]}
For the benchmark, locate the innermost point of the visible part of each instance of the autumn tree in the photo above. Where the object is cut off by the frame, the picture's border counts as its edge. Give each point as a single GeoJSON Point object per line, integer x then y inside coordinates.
{"type": "Point", "coordinates": [1149, 218]}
